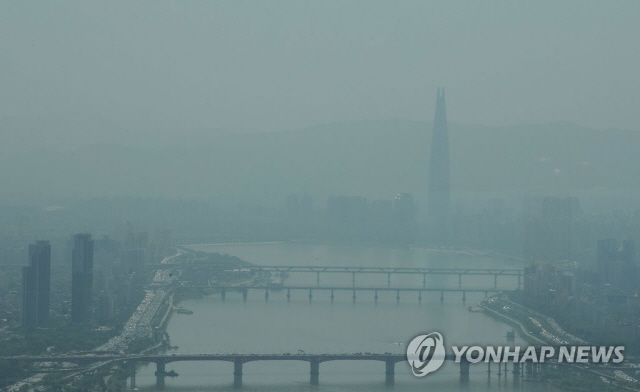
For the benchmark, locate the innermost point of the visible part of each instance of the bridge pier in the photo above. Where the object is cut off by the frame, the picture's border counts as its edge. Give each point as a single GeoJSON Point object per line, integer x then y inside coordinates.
{"type": "Point", "coordinates": [375, 296]}
{"type": "Point", "coordinates": [389, 374]}
{"type": "Point", "coordinates": [464, 297]}
{"type": "Point", "coordinates": [516, 375]}
{"type": "Point", "coordinates": [420, 297]}
{"type": "Point", "coordinates": [237, 373]}
{"type": "Point", "coordinates": [516, 369]}
{"type": "Point", "coordinates": [223, 295]}
{"type": "Point", "coordinates": [245, 292]}
{"type": "Point", "coordinates": [132, 374]}
{"type": "Point", "coordinates": [332, 297]}
{"type": "Point", "coordinates": [310, 295]}
{"type": "Point", "coordinates": [288, 295]}
{"type": "Point", "coordinates": [354, 296]}
{"type": "Point", "coordinates": [160, 372]}
{"type": "Point", "coordinates": [315, 372]}
{"type": "Point", "coordinates": [442, 296]}
{"type": "Point", "coordinates": [464, 374]}
{"type": "Point", "coordinates": [398, 297]}
{"type": "Point", "coordinates": [464, 367]}
{"type": "Point", "coordinates": [266, 295]}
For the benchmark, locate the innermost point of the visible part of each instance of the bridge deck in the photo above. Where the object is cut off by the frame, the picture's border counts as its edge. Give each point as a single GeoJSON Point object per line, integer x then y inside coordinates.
{"type": "Point", "coordinates": [374, 270]}
{"type": "Point", "coordinates": [389, 270]}
{"type": "Point", "coordinates": [350, 288]}
{"type": "Point", "coordinates": [218, 357]}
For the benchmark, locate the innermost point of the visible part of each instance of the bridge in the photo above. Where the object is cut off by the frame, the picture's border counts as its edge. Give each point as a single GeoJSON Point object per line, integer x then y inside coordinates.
{"type": "Point", "coordinates": [389, 271]}
{"type": "Point", "coordinates": [238, 360]}
{"type": "Point", "coordinates": [244, 289]}
{"type": "Point", "coordinates": [130, 362]}
{"type": "Point", "coordinates": [495, 272]}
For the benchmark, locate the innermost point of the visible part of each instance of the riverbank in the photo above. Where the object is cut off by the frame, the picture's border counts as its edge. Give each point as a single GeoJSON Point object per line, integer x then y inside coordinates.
{"type": "Point", "coordinates": [536, 327]}
{"type": "Point", "coordinates": [517, 325]}
{"type": "Point", "coordinates": [539, 329]}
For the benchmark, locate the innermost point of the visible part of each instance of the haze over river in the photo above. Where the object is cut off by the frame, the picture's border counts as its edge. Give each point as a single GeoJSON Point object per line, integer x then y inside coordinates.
{"type": "Point", "coordinates": [319, 326]}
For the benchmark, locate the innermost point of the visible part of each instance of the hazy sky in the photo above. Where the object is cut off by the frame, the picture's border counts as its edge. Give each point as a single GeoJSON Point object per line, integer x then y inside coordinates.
{"type": "Point", "coordinates": [273, 65]}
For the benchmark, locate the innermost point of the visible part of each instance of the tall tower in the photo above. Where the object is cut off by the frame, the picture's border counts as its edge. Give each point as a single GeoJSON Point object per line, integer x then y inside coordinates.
{"type": "Point", "coordinates": [36, 285]}
{"type": "Point", "coordinates": [439, 204]}
{"type": "Point", "coordinates": [82, 279]}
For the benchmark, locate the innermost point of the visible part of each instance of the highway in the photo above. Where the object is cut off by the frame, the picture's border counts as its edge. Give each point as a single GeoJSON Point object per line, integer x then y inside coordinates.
{"type": "Point", "coordinates": [138, 326]}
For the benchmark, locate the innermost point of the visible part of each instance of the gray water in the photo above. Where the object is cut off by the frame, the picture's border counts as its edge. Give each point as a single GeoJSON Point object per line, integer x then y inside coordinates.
{"type": "Point", "coordinates": [319, 326]}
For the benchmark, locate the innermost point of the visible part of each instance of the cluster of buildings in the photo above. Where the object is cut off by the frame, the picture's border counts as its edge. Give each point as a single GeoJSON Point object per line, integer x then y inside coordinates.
{"type": "Point", "coordinates": [104, 276]}
{"type": "Point", "coordinates": [615, 276]}
{"type": "Point", "coordinates": [601, 304]}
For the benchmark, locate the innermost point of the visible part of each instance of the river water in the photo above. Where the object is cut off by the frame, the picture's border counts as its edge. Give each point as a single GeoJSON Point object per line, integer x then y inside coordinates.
{"type": "Point", "coordinates": [319, 326]}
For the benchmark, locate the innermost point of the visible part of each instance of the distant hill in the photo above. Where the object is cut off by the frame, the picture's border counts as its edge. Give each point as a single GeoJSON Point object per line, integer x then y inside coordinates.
{"type": "Point", "coordinates": [376, 159]}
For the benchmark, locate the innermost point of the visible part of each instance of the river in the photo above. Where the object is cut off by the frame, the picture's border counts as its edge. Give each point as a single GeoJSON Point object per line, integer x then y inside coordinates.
{"type": "Point", "coordinates": [319, 326]}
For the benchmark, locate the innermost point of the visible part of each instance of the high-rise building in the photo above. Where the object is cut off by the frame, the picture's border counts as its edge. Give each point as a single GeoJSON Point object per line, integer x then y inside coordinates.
{"type": "Point", "coordinates": [617, 266]}
{"type": "Point", "coordinates": [106, 309]}
{"type": "Point", "coordinates": [439, 203]}
{"type": "Point", "coordinates": [36, 285]}
{"type": "Point", "coordinates": [549, 228]}
{"type": "Point", "coordinates": [82, 279]}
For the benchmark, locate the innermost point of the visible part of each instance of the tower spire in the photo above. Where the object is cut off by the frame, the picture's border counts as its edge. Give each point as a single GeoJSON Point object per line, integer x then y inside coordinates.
{"type": "Point", "coordinates": [438, 206]}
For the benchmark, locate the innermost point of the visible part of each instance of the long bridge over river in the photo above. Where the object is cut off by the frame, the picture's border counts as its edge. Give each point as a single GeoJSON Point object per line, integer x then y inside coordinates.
{"type": "Point", "coordinates": [131, 361]}
{"type": "Point", "coordinates": [389, 271]}
{"type": "Point", "coordinates": [417, 291]}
